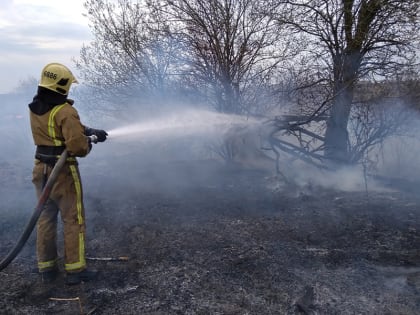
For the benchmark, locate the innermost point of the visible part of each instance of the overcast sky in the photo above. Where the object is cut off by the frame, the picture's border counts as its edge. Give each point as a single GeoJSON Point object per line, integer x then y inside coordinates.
{"type": "Point", "coordinates": [36, 32]}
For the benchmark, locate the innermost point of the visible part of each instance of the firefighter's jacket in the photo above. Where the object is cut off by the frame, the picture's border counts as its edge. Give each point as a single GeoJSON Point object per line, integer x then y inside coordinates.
{"type": "Point", "coordinates": [55, 122]}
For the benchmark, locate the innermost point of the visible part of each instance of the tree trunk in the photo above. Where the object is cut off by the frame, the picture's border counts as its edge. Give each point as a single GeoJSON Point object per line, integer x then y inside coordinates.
{"type": "Point", "coordinates": [336, 135]}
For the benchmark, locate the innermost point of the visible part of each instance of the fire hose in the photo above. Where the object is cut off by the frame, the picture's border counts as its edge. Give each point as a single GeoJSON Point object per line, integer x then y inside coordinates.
{"type": "Point", "coordinates": [39, 207]}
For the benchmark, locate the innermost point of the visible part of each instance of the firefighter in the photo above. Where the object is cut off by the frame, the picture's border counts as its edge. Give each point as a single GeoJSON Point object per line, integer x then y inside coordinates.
{"type": "Point", "coordinates": [56, 126]}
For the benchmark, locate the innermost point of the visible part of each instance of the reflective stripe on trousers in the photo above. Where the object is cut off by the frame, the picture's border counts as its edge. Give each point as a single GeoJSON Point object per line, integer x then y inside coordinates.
{"type": "Point", "coordinates": [80, 219]}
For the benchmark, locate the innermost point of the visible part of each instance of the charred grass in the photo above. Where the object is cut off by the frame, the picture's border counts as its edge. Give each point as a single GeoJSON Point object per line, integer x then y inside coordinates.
{"type": "Point", "coordinates": [224, 242]}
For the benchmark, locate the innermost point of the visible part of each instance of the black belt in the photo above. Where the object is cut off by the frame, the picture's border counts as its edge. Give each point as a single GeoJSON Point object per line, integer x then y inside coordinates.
{"type": "Point", "coordinates": [48, 154]}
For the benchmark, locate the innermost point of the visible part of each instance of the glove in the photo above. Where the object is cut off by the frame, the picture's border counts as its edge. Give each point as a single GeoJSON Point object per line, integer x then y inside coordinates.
{"type": "Point", "coordinates": [101, 134]}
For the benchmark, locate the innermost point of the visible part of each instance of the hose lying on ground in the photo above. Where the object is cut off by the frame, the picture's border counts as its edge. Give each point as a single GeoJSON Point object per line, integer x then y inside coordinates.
{"type": "Point", "coordinates": [36, 213]}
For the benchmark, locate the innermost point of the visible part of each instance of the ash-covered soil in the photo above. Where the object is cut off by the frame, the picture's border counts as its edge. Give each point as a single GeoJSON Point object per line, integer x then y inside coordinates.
{"type": "Point", "coordinates": [205, 238]}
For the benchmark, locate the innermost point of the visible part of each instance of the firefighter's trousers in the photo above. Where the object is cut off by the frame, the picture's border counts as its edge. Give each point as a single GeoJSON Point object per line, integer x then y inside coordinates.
{"type": "Point", "coordinates": [66, 197]}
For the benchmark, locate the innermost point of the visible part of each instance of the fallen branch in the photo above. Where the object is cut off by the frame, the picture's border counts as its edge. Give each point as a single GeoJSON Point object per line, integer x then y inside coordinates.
{"type": "Point", "coordinates": [120, 258]}
{"type": "Point", "coordinates": [76, 299]}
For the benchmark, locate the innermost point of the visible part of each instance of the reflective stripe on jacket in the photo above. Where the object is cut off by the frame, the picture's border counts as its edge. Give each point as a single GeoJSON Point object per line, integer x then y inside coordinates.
{"type": "Point", "coordinates": [60, 126]}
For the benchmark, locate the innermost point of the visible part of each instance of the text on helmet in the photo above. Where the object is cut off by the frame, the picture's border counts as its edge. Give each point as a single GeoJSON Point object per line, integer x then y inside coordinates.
{"type": "Point", "coordinates": [50, 75]}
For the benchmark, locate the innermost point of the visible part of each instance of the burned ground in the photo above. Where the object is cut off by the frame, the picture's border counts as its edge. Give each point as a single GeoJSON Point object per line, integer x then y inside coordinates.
{"type": "Point", "coordinates": [221, 241]}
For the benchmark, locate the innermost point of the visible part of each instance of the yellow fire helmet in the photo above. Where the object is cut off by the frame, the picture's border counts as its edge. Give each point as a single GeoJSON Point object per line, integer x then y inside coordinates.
{"type": "Point", "coordinates": [57, 77]}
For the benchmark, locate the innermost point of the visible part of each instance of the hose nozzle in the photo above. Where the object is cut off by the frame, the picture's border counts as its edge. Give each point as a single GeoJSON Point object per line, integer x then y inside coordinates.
{"type": "Point", "coordinates": [92, 139]}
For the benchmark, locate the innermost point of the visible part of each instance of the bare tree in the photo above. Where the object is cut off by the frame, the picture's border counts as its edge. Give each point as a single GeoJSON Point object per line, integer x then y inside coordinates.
{"type": "Point", "coordinates": [352, 39]}
{"type": "Point", "coordinates": [132, 54]}
{"type": "Point", "coordinates": [234, 48]}
{"type": "Point", "coordinates": [235, 55]}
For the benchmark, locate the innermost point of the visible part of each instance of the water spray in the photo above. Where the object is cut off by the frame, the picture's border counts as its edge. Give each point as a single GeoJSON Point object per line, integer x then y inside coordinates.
{"type": "Point", "coordinates": [185, 122]}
